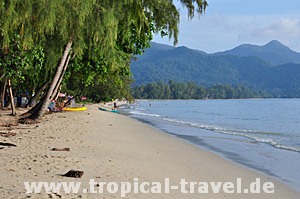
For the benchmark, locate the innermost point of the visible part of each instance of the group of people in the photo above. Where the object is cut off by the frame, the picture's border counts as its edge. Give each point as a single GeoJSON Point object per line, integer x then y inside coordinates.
{"type": "Point", "coordinates": [54, 107]}
{"type": "Point", "coordinates": [60, 103]}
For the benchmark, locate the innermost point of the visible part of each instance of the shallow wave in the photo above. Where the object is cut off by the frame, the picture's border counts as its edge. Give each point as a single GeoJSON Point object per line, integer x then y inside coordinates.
{"type": "Point", "coordinates": [253, 135]}
{"type": "Point", "coordinates": [144, 114]}
{"type": "Point", "coordinates": [290, 148]}
{"type": "Point", "coordinates": [250, 134]}
{"type": "Point", "coordinates": [274, 143]}
{"type": "Point", "coordinates": [138, 109]}
{"type": "Point", "coordinates": [219, 129]}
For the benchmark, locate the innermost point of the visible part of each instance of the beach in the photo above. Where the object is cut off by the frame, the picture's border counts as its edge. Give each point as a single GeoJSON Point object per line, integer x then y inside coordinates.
{"type": "Point", "coordinates": [111, 147]}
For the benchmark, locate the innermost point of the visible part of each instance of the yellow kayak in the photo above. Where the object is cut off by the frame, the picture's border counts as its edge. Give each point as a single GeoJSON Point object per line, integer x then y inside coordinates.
{"type": "Point", "coordinates": [75, 109]}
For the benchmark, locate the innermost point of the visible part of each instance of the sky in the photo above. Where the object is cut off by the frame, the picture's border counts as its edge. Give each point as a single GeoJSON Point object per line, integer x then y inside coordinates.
{"type": "Point", "coordinates": [229, 23]}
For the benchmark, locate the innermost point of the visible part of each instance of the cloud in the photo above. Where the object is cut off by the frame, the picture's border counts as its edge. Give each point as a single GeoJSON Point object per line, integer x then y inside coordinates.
{"type": "Point", "coordinates": [279, 28]}
{"type": "Point", "coordinates": [219, 32]}
{"type": "Point", "coordinates": [286, 30]}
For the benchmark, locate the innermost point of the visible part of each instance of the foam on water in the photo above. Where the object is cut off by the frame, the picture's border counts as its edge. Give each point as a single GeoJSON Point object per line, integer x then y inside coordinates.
{"type": "Point", "coordinates": [144, 114]}
{"type": "Point", "coordinates": [239, 132]}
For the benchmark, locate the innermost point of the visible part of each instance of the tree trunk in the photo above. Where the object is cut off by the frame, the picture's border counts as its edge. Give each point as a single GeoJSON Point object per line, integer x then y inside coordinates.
{"type": "Point", "coordinates": [13, 108]}
{"type": "Point", "coordinates": [40, 90]}
{"type": "Point", "coordinates": [3, 94]}
{"type": "Point", "coordinates": [7, 95]}
{"type": "Point", "coordinates": [33, 109]}
{"type": "Point", "coordinates": [40, 112]}
{"type": "Point", "coordinates": [2, 76]}
{"type": "Point", "coordinates": [57, 87]}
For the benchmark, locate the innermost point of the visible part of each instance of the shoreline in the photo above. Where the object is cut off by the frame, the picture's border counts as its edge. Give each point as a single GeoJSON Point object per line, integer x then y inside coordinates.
{"type": "Point", "coordinates": [222, 134]}
{"type": "Point", "coordinates": [114, 147]}
{"type": "Point", "coordinates": [234, 158]}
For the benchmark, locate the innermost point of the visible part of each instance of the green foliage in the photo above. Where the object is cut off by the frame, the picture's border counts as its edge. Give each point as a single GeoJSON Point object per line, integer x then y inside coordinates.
{"type": "Point", "coordinates": [114, 86]}
{"type": "Point", "coordinates": [95, 78]}
{"type": "Point", "coordinates": [24, 67]}
{"type": "Point", "coordinates": [189, 90]}
{"type": "Point", "coordinates": [104, 33]}
{"type": "Point", "coordinates": [14, 60]}
{"type": "Point", "coordinates": [34, 73]}
{"type": "Point", "coordinates": [102, 72]}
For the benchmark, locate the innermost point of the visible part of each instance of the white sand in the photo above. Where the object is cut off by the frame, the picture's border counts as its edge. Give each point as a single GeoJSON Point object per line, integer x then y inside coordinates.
{"type": "Point", "coordinates": [110, 147]}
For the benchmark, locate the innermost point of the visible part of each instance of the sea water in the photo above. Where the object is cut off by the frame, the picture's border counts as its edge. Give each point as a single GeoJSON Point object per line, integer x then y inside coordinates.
{"type": "Point", "coordinates": [263, 134]}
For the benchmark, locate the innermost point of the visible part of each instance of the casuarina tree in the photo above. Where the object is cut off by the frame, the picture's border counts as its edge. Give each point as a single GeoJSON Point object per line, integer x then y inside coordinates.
{"type": "Point", "coordinates": [103, 27]}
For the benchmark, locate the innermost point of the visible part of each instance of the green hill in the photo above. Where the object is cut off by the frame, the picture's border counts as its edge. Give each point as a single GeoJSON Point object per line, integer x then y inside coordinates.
{"type": "Point", "coordinates": [273, 52]}
{"type": "Point", "coordinates": [181, 64]}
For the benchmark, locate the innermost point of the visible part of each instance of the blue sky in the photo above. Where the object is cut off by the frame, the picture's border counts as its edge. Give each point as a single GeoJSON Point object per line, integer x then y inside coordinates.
{"type": "Point", "coordinates": [229, 23]}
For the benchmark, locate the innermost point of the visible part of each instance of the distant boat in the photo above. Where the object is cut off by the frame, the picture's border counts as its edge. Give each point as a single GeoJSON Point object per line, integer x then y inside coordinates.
{"type": "Point", "coordinates": [105, 109]}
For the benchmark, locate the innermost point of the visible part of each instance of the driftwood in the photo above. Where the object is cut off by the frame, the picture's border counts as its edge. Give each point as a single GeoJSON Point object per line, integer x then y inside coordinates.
{"type": "Point", "coordinates": [60, 149]}
{"type": "Point", "coordinates": [7, 144]}
{"type": "Point", "coordinates": [9, 134]}
{"type": "Point", "coordinates": [74, 174]}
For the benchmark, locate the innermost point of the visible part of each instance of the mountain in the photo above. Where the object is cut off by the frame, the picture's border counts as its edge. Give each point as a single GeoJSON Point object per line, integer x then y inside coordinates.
{"type": "Point", "coordinates": [274, 52]}
{"type": "Point", "coordinates": [181, 64]}
{"type": "Point", "coordinates": [156, 50]}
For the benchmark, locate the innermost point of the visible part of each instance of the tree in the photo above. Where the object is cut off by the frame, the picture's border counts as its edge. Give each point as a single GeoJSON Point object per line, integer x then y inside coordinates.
{"type": "Point", "coordinates": [189, 90]}
{"type": "Point", "coordinates": [13, 61]}
{"type": "Point", "coordinates": [109, 26]}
